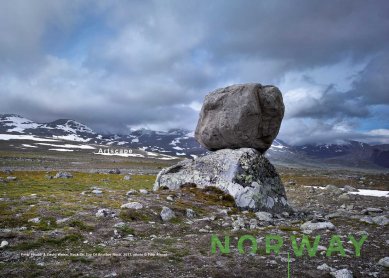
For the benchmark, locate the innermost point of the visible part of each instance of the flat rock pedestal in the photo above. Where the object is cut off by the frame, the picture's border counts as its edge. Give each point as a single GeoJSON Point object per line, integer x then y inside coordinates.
{"type": "Point", "coordinates": [243, 173]}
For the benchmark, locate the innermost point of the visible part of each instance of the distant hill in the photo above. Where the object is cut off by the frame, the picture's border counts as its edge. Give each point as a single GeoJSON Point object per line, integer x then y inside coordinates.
{"type": "Point", "coordinates": [181, 143]}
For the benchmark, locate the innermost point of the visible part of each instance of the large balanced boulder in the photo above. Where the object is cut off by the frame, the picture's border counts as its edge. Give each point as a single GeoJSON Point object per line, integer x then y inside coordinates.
{"type": "Point", "coordinates": [240, 116]}
{"type": "Point", "coordinates": [243, 173]}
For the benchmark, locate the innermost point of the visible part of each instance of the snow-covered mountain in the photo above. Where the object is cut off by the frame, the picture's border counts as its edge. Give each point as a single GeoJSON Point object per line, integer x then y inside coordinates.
{"type": "Point", "coordinates": [60, 129]}
{"type": "Point", "coordinates": [181, 143]}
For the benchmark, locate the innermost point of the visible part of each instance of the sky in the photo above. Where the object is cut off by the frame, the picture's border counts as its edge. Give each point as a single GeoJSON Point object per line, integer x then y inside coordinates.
{"type": "Point", "coordinates": [116, 65]}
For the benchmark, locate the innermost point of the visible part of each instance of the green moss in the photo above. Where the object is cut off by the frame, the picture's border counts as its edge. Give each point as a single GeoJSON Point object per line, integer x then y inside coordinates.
{"type": "Point", "coordinates": [81, 225]}
{"type": "Point", "coordinates": [211, 196]}
{"type": "Point", "coordinates": [134, 215]}
{"type": "Point", "coordinates": [46, 224]}
{"type": "Point", "coordinates": [126, 230]}
{"type": "Point", "coordinates": [53, 242]}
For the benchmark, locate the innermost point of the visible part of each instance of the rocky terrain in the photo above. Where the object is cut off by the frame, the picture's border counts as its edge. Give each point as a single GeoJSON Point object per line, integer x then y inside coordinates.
{"type": "Point", "coordinates": [114, 225]}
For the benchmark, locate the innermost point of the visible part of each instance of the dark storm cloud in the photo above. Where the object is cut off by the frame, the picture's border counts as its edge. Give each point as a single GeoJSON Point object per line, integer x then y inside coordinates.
{"type": "Point", "coordinates": [113, 64]}
{"type": "Point", "coordinates": [372, 85]}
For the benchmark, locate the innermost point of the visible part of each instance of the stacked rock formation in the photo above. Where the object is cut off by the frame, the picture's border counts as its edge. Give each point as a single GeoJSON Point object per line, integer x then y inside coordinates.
{"type": "Point", "coordinates": [239, 123]}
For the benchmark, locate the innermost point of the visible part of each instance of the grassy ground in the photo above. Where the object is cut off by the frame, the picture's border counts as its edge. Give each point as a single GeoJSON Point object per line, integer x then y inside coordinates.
{"type": "Point", "coordinates": [144, 245]}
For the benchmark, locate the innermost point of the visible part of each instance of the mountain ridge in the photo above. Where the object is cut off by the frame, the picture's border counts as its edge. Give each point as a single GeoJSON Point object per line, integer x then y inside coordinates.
{"type": "Point", "coordinates": [181, 143]}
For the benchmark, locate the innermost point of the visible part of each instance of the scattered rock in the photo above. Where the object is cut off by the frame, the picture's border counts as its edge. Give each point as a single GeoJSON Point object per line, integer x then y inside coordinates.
{"type": "Point", "coordinates": [167, 214]}
{"type": "Point", "coordinates": [366, 219]}
{"type": "Point", "coordinates": [381, 220]}
{"type": "Point", "coordinates": [3, 244]}
{"type": "Point", "coordinates": [114, 171]}
{"type": "Point", "coordinates": [11, 178]}
{"type": "Point", "coordinates": [63, 175]}
{"type": "Point", "coordinates": [333, 190]}
{"type": "Point", "coordinates": [63, 220]}
{"type": "Point", "coordinates": [349, 188]}
{"type": "Point", "coordinates": [342, 273]}
{"type": "Point", "coordinates": [127, 178]}
{"type": "Point", "coordinates": [253, 223]}
{"type": "Point", "coordinates": [384, 262]}
{"type": "Point", "coordinates": [143, 191]}
{"type": "Point", "coordinates": [371, 211]}
{"type": "Point", "coordinates": [170, 198]}
{"type": "Point", "coordinates": [131, 192]}
{"type": "Point", "coordinates": [245, 174]}
{"type": "Point", "coordinates": [105, 213]}
{"type": "Point", "coordinates": [97, 191]}
{"type": "Point", "coordinates": [310, 226]}
{"type": "Point", "coordinates": [238, 224]}
{"type": "Point", "coordinates": [345, 196]}
{"type": "Point", "coordinates": [190, 213]}
{"type": "Point", "coordinates": [132, 205]}
{"type": "Point", "coordinates": [119, 225]}
{"type": "Point", "coordinates": [34, 220]}
{"type": "Point", "coordinates": [240, 116]}
{"type": "Point", "coordinates": [264, 216]}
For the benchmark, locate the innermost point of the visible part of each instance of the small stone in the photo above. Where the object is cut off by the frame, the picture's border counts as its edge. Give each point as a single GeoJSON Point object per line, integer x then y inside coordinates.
{"type": "Point", "coordinates": [114, 171]}
{"type": "Point", "coordinates": [310, 226]}
{"type": "Point", "coordinates": [97, 191]}
{"type": "Point", "coordinates": [264, 216]}
{"type": "Point", "coordinates": [11, 178]}
{"type": "Point", "coordinates": [332, 189]}
{"type": "Point", "coordinates": [132, 205]}
{"type": "Point", "coordinates": [131, 192]}
{"type": "Point", "coordinates": [344, 196]}
{"type": "Point", "coordinates": [321, 248]}
{"type": "Point", "coordinates": [326, 267]}
{"type": "Point", "coordinates": [167, 214]}
{"type": "Point", "coordinates": [63, 220]}
{"type": "Point", "coordinates": [366, 219]}
{"type": "Point", "coordinates": [105, 213]}
{"type": "Point", "coordinates": [342, 273]}
{"type": "Point", "coordinates": [63, 175]}
{"type": "Point", "coordinates": [381, 220]}
{"type": "Point", "coordinates": [349, 188]}
{"type": "Point", "coordinates": [127, 178]}
{"type": "Point", "coordinates": [129, 238]}
{"type": "Point", "coordinates": [384, 262]}
{"type": "Point", "coordinates": [170, 198]}
{"type": "Point", "coordinates": [34, 220]}
{"type": "Point", "coordinates": [143, 191]}
{"type": "Point", "coordinates": [253, 223]}
{"type": "Point", "coordinates": [238, 224]}
{"type": "Point", "coordinates": [119, 225]}
{"type": "Point", "coordinates": [3, 244]}
{"type": "Point", "coordinates": [371, 211]}
{"type": "Point", "coordinates": [190, 213]}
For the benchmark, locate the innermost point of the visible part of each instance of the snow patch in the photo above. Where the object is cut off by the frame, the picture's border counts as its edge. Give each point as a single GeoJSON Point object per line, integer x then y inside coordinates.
{"type": "Point", "coordinates": [29, 146]}
{"type": "Point", "coordinates": [24, 137]}
{"type": "Point", "coordinates": [61, 150]}
{"type": "Point", "coordinates": [69, 146]}
{"type": "Point", "coordinates": [371, 192]}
